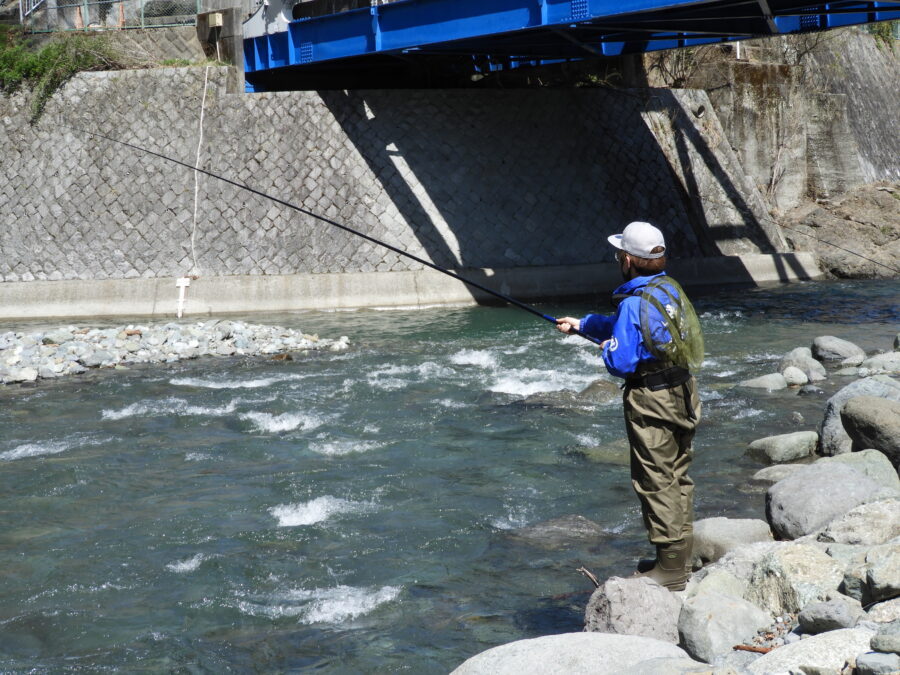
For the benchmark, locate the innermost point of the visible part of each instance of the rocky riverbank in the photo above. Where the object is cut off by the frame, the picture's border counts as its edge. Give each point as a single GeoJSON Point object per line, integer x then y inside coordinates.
{"type": "Point", "coordinates": [29, 356]}
{"type": "Point", "coordinates": [814, 588]}
{"type": "Point", "coordinates": [855, 235]}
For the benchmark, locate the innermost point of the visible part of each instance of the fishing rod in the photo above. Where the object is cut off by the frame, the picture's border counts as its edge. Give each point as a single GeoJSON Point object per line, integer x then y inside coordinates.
{"type": "Point", "coordinates": [345, 228]}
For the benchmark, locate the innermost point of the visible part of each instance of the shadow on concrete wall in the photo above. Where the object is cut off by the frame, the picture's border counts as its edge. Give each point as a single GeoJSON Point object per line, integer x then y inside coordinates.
{"type": "Point", "coordinates": [515, 178]}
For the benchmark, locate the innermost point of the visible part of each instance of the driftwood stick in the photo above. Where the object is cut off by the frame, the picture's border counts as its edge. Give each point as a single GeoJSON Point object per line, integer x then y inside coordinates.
{"type": "Point", "coordinates": [758, 650]}
{"type": "Point", "coordinates": [590, 575]}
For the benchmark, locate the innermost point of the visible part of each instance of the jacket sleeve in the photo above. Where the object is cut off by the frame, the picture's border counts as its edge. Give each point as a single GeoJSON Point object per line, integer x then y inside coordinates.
{"type": "Point", "coordinates": [625, 349]}
{"type": "Point", "coordinates": [597, 325]}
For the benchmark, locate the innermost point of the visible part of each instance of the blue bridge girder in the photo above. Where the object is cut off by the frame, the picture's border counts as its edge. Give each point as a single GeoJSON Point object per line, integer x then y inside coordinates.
{"type": "Point", "coordinates": [483, 35]}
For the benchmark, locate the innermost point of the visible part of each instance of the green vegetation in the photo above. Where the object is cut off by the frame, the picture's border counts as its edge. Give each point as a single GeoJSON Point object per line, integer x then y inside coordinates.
{"type": "Point", "coordinates": [46, 68]}
{"type": "Point", "coordinates": [883, 32]}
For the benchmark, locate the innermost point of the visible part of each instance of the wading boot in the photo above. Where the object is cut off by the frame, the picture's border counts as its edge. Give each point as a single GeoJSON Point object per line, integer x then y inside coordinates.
{"type": "Point", "coordinates": [647, 564]}
{"type": "Point", "coordinates": [670, 568]}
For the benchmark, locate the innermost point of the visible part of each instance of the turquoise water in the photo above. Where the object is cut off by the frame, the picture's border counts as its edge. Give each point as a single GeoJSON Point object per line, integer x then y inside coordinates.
{"type": "Point", "coordinates": [354, 512]}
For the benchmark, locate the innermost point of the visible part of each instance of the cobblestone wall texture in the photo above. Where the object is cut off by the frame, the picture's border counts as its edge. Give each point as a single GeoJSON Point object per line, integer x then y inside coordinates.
{"type": "Point", "coordinates": [460, 178]}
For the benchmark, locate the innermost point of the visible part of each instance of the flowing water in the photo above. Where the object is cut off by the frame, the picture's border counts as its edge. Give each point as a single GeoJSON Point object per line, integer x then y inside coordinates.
{"type": "Point", "coordinates": [356, 512]}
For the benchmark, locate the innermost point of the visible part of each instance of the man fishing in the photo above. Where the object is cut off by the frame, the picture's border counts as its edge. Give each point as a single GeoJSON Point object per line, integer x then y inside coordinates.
{"type": "Point", "coordinates": [651, 342]}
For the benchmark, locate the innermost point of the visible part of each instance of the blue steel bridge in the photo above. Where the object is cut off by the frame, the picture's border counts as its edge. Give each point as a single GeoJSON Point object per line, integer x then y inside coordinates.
{"type": "Point", "coordinates": [337, 44]}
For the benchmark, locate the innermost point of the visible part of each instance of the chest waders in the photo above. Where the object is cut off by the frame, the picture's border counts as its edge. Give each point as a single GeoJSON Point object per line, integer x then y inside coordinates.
{"type": "Point", "coordinates": [661, 413]}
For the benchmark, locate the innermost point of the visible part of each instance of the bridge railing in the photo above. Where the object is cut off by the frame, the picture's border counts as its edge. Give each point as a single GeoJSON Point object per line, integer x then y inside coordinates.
{"type": "Point", "coordinates": [40, 16]}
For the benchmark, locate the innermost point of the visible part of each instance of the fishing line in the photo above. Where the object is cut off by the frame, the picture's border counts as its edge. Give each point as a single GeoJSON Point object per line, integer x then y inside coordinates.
{"type": "Point", "coordinates": [847, 250]}
{"type": "Point", "coordinates": [345, 228]}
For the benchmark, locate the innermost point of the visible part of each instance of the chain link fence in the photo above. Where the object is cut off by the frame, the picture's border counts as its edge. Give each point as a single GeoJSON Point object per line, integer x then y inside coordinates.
{"type": "Point", "coordinates": [40, 16]}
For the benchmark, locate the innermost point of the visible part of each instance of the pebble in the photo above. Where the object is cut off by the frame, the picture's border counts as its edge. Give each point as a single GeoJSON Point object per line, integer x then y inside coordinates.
{"type": "Point", "coordinates": [68, 350]}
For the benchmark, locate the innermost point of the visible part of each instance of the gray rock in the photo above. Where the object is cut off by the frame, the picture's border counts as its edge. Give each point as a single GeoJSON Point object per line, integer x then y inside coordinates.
{"type": "Point", "coordinates": [887, 639]}
{"type": "Point", "coordinates": [717, 581]}
{"type": "Point", "coordinates": [794, 376]}
{"type": "Point", "coordinates": [829, 650]}
{"type": "Point", "coordinates": [569, 654]}
{"type": "Point", "coordinates": [872, 663]}
{"type": "Point", "coordinates": [830, 348]}
{"type": "Point", "coordinates": [670, 666]}
{"type": "Point", "coordinates": [773, 474]}
{"type": "Point", "coordinates": [867, 524]}
{"type": "Point", "coordinates": [885, 612]}
{"type": "Point", "coordinates": [771, 382]}
{"type": "Point", "coordinates": [889, 362]}
{"type": "Point", "coordinates": [873, 422]}
{"type": "Point", "coordinates": [897, 342]}
{"type": "Point", "coordinates": [784, 447]}
{"type": "Point", "coordinates": [818, 617]}
{"type": "Point", "coordinates": [601, 391]}
{"type": "Point", "coordinates": [802, 359]}
{"type": "Point", "coordinates": [714, 537]}
{"type": "Point", "coordinates": [711, 624]}
{"type": "Point", "coordinates": [875, 464]}
{"type": "Point", "coordinates": [810, 390]}
{"type": "Point", "coordinates": [16, 375]}
{"type": "Point", "coordinates": [633, 606]}
{"type": "Point", "coordinates": [834, 440]}
{"type": "Point", "coordinates": [561, 531]}
{"type": "Point", "coordinates": [96, 358]}
{"type": "Point", "coordinates": [812, 497]}
{"type": "Point", "coordinates": [883, 573]}
{"type": "Point", "coordinates": [790, 577]}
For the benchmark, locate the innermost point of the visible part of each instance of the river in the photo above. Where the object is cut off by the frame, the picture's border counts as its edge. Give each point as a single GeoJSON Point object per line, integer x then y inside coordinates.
{"type": "Point", "coordinates": [356, 512]}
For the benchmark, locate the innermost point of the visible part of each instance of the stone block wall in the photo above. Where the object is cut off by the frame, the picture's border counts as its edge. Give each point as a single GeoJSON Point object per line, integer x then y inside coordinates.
{"type": "Point", "coordinates": [464, 179]}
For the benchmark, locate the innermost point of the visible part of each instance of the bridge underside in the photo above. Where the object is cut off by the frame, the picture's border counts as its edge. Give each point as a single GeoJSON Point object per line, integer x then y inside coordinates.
{"type": "Point", "coordinates": [410, 42]}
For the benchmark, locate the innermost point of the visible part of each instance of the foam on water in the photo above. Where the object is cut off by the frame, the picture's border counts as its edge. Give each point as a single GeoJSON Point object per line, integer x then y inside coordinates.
{"type": "Point", "coordinates": [169, 406]}
{"type": "Point", "coordinates": [314, 511]}
{"type": "Point", "coordinates": [197, 457]}
{"type": "Point", "coordinates": [321, 605]}
{"type": "Point", "coordinates": [35, 450]}
{"type": "Point", "coordinates": [257, 383]}
{"type": "Point", "coordinates": [273, 424]}
{"type": "Point", "coordinates": [189, 565]}
{"type": "Point", "coordinates": [528, 381]}
{"type": "Point", "coordinates": [482, 358]}
{"type": "Point", "coordinates": [41, 448]}
{"type": "Point", "coordinates": [346, 447]}
{"type": "Point", "coordinates": [393, 377]}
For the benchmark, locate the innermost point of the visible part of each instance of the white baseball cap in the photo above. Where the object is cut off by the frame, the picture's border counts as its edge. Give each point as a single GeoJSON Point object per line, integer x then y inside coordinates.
{"type": "Point", "coordinates": [639, 239]}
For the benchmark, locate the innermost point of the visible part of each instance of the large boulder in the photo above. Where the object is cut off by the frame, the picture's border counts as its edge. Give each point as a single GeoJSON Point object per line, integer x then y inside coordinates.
{"type": "Point", "coordinates": [827, 652]}
{"type": "Point", "coordinates": [876, 663]}
{"type": "Point", "coordinates": [770, 382]}
{"type": "Point", "coordinates": [873, 463]}
{"type": "Point", "coordinates": [888, 362]}
{"type": "Point", "coordinates": [833, 439]}
{"type": "Point", "coordinates": [885, 612]}
{"type": "Point", "coordinates": [812, 497]}
{"type": "Point", "coordinates": [883, 571]}
{"type": "Point", "coordinates": [569, 654]}
{"type": "Point", "coordinates": [772, 474]}
{"type": "Point", "coordinates": [633, 606]}
{"type": "Point", "coordinates": [887, 639]}
{"type": "Point", "coordinates": [839, 612]}
{"type": "Point", "coordinates": [802, 359]}
{"type": "Point", "coordinates": [784, 447]}
{"type": "Point", "coordinates": [873, 422]}
{"type": "Point", "coordinates": [877, 578]}
{"type": "Point", "coordinates": [866, 525]}
{"type": "Point", "coordinates": [711, 624]}
{"type": "Point", "coordinates": [714, 537]}
{"type": "Point", "coordinates": [844, 352]}
{"type": "Point", "coordinates": [790, 577]}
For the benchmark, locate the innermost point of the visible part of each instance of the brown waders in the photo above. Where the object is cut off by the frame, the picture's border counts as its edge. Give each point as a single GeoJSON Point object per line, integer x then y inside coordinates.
{"type": "Point", "coordinates": [662, 410]}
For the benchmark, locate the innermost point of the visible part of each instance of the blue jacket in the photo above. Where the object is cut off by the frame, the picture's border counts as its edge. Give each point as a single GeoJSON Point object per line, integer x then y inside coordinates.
{"type": "Point", "coordinates": [626, 345]}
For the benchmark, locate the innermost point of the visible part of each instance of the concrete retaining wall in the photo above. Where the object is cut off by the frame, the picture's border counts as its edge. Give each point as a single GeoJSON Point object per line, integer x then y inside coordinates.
{"type": "Point", "coordinates": [470, 179]}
